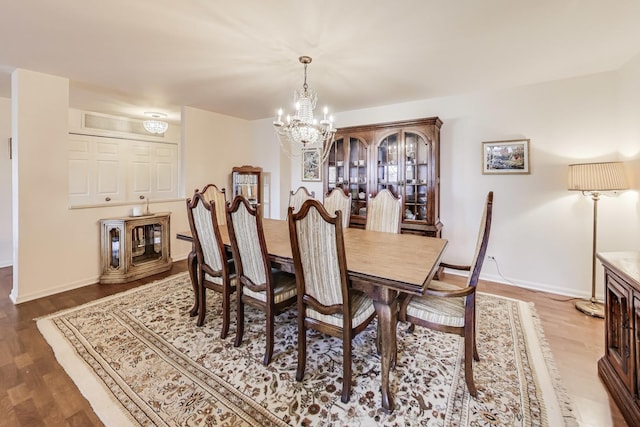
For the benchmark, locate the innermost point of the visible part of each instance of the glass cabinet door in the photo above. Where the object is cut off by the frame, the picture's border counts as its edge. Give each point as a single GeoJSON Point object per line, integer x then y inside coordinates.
{"type": "Point", "coordinates": [388, 174]}
{"type": "Point", "coordinates": [336, 167]}
{"type": "Point", "coordinates": [416, 158]}
{"type": "Point", "coordinates": [358, 176]}
{"type": "Point", "coordinates": [146, 243]}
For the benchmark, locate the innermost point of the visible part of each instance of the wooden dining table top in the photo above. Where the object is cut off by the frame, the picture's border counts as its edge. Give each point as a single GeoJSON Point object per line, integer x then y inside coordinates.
{"type": "Point", "coordinates": [404, 262]}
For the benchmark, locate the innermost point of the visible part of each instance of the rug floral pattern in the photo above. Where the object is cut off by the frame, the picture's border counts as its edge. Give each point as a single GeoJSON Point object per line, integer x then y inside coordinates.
{"type": "Point", "coordinates": [164, 370]}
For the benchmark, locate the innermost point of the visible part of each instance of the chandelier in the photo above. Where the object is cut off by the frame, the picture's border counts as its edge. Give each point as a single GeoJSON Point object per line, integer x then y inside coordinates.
{"type": "Point", "coordinates": [154, 125]}
{"type": "Point", "coordinates": [303, 130]}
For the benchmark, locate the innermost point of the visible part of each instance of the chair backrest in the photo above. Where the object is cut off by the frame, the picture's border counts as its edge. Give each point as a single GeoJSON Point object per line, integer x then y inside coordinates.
{"type": "Point", "coordinates": [298, 197]}
{"type": "Point", "coordinates": [482, 241]}
{"type": "Point", "coordinates": [212, 193]}
{"type": "Point", "coordinates": [336, 200]}
{"type": "Point", "coordinates": [384, 212]}
{"type": "Point", "coordinates": [206, 236]}
{"type": "Point", "coordinates": [317, 246]}
{"type": "Point", "coordinates": [246, 234]}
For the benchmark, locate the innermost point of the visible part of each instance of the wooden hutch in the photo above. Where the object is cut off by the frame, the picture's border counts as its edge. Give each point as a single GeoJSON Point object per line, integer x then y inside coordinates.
{"type": "Point", "coordinates": [402, 156]}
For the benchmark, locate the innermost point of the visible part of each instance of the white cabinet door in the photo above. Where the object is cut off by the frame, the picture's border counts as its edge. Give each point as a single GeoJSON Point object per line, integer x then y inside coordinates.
{"type": "Point", "coordinates": [96, 171]}
{"type": "Point", "coordinates": [109, 171]}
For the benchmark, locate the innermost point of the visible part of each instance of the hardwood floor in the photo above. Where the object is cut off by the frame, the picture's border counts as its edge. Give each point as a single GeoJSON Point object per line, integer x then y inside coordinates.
{"type": "Point", "coordinates": [35, 390]}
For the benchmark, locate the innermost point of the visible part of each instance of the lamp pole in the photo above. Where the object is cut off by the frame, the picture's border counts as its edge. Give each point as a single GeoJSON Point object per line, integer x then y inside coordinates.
{"type": "Point", "coordinates": [592, 307]}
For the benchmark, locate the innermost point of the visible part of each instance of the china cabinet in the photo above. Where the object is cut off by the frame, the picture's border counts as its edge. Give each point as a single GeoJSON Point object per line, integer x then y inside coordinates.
{"type": "Point", "coordinates": [134, 247]}
{"type": "Point", "coordinates": [403, 157]}
{"type": "Point", "coordinates": [246, 181]}
{"type": "Point", "coordinates": [619, 368]}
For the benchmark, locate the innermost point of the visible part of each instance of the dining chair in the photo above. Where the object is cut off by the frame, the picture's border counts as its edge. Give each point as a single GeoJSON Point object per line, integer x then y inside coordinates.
{"type": "Point", "coordinates": [214, 269]}
{"type": "Point", "coordinates": [259, 286]}
{"type": "Point", "coordinates": [384, 212]}
{"type": "Point", "coordinates": [449, 308]}
{"type": "Point", "coordinates": [298, 197]}
{"type": "Point", "coordinates": [212, 193]}
{"type": "Point", "coordinates": [326, 302]}
{"type": "Point", "coordinates": [337, 200]}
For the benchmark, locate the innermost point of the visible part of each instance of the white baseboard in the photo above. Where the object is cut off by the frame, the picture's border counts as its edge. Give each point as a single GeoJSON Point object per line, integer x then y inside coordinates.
{"type": "Point", "coordinates": [51, 291]}
{"type": "Point", "coordinates": [533, 286]}
{"type": "Point", "coordinates": [67, 287]}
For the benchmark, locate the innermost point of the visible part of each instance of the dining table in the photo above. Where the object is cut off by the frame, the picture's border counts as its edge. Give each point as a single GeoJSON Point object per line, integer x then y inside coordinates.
{"type": "Point", "coordinates": [385, 266]}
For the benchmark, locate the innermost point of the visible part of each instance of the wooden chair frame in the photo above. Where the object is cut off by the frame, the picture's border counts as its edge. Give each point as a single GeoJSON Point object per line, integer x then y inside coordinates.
{"type": "Point", "coordinates": [468, 330]}
{"type": "Point", "coordinates": [346, 332]}
{"type": "Point", "coordinates": [269, 307]}
{"type": "Point", "coordinates": [225, 273]}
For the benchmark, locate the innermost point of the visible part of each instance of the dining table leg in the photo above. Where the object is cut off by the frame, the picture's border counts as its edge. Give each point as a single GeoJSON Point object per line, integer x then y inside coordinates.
{"type": "Point", "coordinates": [387, 312]}
{"type": "Point", "coordinates": [192, 266]}
{"type": "Point", "coordinates": [385, 301]}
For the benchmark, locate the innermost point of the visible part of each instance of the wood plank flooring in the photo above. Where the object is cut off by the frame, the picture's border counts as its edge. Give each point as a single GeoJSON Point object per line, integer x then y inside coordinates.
{"type": "Point", "coordinates": [35, 390]}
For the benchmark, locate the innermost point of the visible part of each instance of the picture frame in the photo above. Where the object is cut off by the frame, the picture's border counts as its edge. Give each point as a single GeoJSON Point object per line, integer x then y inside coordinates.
{"type": "Point", "coordinates": [508, 157]}
{"type": "Point", "coordinates": [311, 165]}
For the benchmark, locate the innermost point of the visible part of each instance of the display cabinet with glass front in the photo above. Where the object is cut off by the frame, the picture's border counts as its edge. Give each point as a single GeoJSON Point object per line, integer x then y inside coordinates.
{"type": "Point", "coordinates": [134, 247]}
{"type": "Point", "coordinates": [400, 156]}
{"type": "Point", "coordinates": [246, 181]}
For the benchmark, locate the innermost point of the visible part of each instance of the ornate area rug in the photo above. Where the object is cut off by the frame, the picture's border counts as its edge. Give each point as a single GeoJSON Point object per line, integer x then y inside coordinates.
{"type": "Point", "coordinates": [141, 360]}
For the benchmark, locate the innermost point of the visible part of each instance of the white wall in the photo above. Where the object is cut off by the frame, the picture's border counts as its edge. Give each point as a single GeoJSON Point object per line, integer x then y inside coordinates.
{"type": "Point", "coordinates": [541, 236]}
{"type": "Point", "coordinates": [6, 240]}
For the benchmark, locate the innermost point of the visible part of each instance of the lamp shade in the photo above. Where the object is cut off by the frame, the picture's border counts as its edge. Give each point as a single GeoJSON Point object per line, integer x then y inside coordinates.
{"type": "Point", "coordinates": [607, 176]}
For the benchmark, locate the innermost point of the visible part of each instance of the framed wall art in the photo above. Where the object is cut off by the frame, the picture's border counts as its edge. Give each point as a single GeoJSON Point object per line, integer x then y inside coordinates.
{"type": "Point", "coordinates": [505, 157]}
{"type": "Point", "coordinates": [311, 165]}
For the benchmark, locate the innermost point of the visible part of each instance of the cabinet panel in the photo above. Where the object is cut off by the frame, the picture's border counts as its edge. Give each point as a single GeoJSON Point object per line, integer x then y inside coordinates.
{"type": "Point", "coordinates": [618, 339]}
{"type": "Point", "coordinates": [619, 368]}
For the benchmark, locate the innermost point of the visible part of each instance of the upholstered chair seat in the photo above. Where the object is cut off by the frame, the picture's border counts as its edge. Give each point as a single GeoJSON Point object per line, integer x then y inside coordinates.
{"type": "Point", "coordinates": [443, 311]}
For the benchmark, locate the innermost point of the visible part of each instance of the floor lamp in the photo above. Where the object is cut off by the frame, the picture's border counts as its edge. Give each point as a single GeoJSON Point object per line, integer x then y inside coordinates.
{"type": "Point", "coordinates": [593, 179]}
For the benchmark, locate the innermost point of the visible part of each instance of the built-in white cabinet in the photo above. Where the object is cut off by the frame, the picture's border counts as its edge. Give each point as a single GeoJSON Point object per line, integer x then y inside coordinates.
{"type": "Point", "coordinates": [106, 170]}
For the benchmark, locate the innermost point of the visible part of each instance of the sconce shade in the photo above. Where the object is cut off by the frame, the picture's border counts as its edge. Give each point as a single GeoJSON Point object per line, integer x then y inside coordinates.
{"type": "Point", "coordinates": [596, 177]}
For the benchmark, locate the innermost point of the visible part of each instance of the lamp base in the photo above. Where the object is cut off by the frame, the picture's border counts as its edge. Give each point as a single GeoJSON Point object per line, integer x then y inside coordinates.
{"type": "Point", "coordinates": [591, 308]}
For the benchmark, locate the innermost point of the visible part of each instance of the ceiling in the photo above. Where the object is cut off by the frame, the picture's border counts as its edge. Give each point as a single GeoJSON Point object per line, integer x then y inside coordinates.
{"type": "Point", "coordinates": [240, 58]}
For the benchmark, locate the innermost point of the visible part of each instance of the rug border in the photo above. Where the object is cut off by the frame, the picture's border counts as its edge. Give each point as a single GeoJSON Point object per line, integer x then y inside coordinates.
{"type": "Point", "coordinates": [561, 408]}
{"type": "Point", "coordinates": [107, 408]}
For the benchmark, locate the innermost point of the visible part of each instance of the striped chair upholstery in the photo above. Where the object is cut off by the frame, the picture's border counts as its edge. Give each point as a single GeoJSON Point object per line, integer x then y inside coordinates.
{"type": "Point", "coordinates": [336, 200]}
{"type": "Point", "coordinates": [212, 193]}
{"type": "Point", "coordinates": [384, 212]}
{"type": "Point", "coordinates": [449, 308]}
{"type": "Point", "coordinates": [259, 286]}
{"type": "Point", "coordinates": [325, 300]}
{"type": "Point", "coordinates": [298, 197]}
{"type": "Point", "coordinates": [215, 270]}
